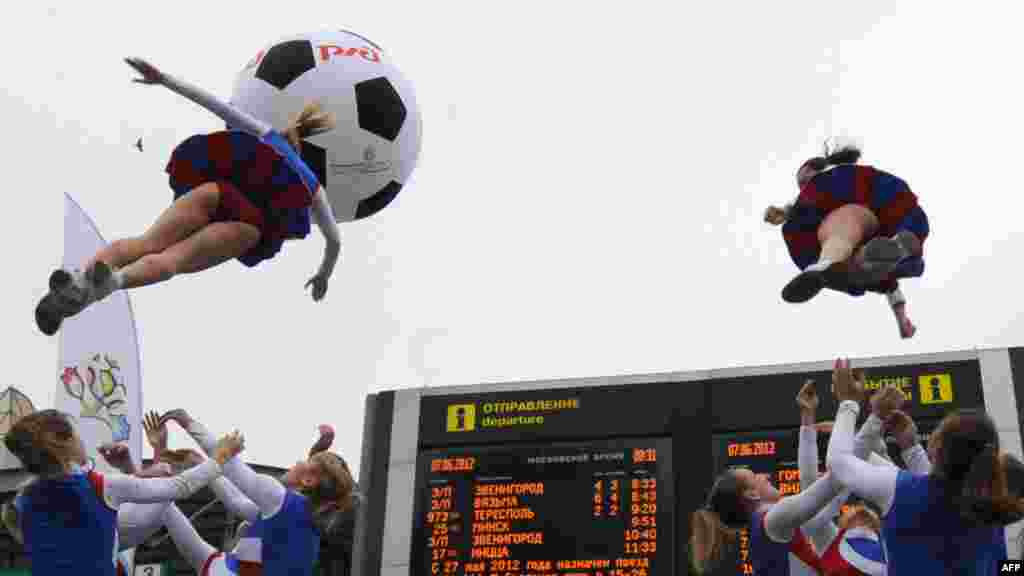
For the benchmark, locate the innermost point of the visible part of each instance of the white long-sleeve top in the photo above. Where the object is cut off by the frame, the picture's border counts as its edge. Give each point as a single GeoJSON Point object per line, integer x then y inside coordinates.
{"type": "Point", "coordinates": [323, 214]}
{"type": "Point", "coordinates": [246, 493]}
{"type": "Point", "coordinates": [876, 484]}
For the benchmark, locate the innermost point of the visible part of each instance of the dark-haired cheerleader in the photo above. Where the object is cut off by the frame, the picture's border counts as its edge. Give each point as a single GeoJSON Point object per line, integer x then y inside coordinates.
{"type": "Point", "coordinates": [855, 229]}
{"type": "Point", "coordinates": [947, 521]}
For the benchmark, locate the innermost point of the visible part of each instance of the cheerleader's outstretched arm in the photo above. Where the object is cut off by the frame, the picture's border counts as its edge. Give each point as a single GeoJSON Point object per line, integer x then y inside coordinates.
{"type": "Point", "coordinates": [325, 219]}
{"type": "Point", "coordinates": [230, 114]}
{"type": "Point", "coordinates": [236, 500]}
{"type": "Point", "coordinates": [876, 484]}
{"type": "Point", "coordinates": [266, 491]}
{"type": "Point", "coordinates": [119, 490]}
{"type": "Point", "coordinates": [819, 529]}
{"type": "Point", "coordinates": [189, 543]}
{"type": "Point", "coordinates": [122, 489]}
{"type": "Point", "coordinates": [136, 523]}
{"type": "Point", "coordinates": [790, 513]}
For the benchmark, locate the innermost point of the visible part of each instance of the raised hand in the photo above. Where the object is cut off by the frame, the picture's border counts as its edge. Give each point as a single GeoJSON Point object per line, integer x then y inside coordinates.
{"type": "Point", "coordinates": [325, 440]}
{"type": "Point", "coordinates": [775, 215]}
{"type": "Point", "coordinates": [157, 470]}
{"type": "Point", "coordinates": [903, 429]}
{"type": "Point", "coordinates": [319, 284]}
{"type": "Point", "coordinates": [807, 399]}
{"type": "Point", "coordinates": [119, 456]}
{"type": "Point", "coordinates": [886, 401]}
{"type": "Point", "coordinates": [156, 433]}
{"type": "Point", "coordinates": [846, 385]}
{"type": "Point", "coordinates": [149, 73]}
{"type": "Point", "coordinates": [228, 447]}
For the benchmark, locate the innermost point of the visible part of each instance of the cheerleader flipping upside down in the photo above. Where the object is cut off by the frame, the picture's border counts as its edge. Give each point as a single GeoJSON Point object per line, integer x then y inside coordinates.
{"type": "Point", "coordinates": [238, 194]}
{"type": "Point", "coordinates": [854, 229]}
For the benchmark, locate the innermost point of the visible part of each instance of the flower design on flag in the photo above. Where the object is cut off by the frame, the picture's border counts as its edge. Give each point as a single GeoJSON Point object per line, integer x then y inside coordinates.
{"type": "Point", "coordinates": [120, 429]}
{"type": "Point", "coordinates": [98, 386]}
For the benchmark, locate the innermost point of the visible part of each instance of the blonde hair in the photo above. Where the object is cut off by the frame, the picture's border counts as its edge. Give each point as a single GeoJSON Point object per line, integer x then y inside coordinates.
{"type": "Point", "coordinates": [336, 486]}
{"type": "Point", "coordinates": [44, 441]}
{"type": "Point", "coordinates": [312, 120]}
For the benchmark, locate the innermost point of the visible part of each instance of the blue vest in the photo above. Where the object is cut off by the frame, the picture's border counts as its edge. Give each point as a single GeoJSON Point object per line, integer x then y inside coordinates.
{"type": "Point", "coordinates": [291, 544]}
{"type": "Point", "coordinates": [925, 535]}
{"type": "Point", "coordinates": [68, 528]}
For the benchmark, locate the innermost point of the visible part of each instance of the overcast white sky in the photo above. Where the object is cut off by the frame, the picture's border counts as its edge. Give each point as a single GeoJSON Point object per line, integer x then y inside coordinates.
{"type": "Point", "coordinates": [588, 200]}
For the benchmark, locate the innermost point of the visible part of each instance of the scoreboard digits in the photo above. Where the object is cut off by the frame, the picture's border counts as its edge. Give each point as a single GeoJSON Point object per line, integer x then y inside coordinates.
{"type": "Point", "coordinates": [589, 508]}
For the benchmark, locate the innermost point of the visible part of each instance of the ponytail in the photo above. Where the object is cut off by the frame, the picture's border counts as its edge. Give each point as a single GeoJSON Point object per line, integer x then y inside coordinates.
{"type": "Point", "coordinates": [310, 122]}
{"type": "Point", "coordinates": [846, 154]}
{"type": "Point", "coordinates": [985, 498]}
{"type": "Point", "coordinates": [708, 537]}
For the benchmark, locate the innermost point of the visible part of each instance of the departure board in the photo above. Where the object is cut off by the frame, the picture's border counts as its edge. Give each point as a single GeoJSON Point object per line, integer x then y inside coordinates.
{"type": "Point", "coordinates": [600, 508]}
{"type": "Point", "coordinates": [774, 455]}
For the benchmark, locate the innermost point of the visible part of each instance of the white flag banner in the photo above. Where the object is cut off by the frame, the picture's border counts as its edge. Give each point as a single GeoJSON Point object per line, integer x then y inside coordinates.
{"type": "Point", "coordinates": [98, 376]}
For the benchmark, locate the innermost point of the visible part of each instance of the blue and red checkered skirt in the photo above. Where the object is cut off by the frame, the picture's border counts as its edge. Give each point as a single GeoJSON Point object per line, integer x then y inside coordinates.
{"type": "Point", "coordinates": [257, 186]}
{"type": "Point", "coordinates": [887, 196]}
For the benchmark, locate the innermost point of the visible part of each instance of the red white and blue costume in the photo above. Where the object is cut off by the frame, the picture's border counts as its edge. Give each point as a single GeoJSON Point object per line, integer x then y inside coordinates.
{"type": "Point", "coordinates": [261, 183]}
{"type": "Point", "coordinates": [279, 536]}
{"type": "Point", "coordinates": [853, 552]}
{"type": "Point", "coordinates": [923, 533]}
{"type": "Point", "coordinates": [69, 524]}
{"type": "Point", "coordinates": [887, 196]}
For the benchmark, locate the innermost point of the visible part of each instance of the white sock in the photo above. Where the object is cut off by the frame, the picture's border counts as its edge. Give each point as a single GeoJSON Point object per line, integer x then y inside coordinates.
{"type": "Point", "coordinates": [113, 284]}
{"type": "Point", "coordinates": [819, 266]}
{"type": "Point", "coordinates": [895, 298]}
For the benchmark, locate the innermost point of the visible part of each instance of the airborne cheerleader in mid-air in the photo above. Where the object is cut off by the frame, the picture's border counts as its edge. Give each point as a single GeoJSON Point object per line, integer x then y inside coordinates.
{"type": "Point", "coordinates": [854, 229]}
{"type": "Point", "coordinates": [238, 194]}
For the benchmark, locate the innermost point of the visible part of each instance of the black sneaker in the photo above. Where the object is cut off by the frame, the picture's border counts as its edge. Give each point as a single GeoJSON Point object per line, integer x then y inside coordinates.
{"type": "Point", "coordinates": [805, 286]}
{"type": "Point", "coordinates": [883, 255]}
{"type": "Point", "coordinates": [69, 296]}
{"type": "Point", "coordinates": [48, 315]}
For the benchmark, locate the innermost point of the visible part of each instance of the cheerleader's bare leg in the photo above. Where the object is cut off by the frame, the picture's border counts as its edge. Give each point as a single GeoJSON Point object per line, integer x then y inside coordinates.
{"type": "Point", "coordinates": [182, 218]}
{"type": "Point", "coordinates": [898, 304]}
{"type": "Point", "coordinates": [189, 543]}
{"type": "Point", "coordinates": [839, 235]}
{"type": "Point", "coordinates": [210, 245]}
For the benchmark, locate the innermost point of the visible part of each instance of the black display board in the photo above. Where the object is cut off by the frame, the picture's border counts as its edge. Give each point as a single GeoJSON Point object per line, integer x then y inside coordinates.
{"type": "Point", "coordinates": [603, 508]}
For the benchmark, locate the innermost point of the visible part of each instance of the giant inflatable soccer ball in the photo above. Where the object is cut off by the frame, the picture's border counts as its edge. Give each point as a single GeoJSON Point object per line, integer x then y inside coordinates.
{"type": "Point", "coordinates": [364, 162]}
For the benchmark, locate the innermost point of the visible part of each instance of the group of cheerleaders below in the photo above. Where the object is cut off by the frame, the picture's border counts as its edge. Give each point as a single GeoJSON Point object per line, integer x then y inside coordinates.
{"type": "Point", "coordinates": [73, 520]}
{"type": "Point", "coordinates": [944, 514]}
